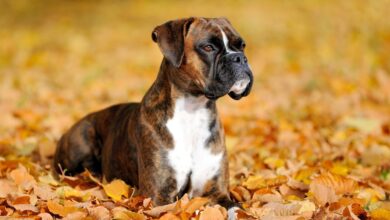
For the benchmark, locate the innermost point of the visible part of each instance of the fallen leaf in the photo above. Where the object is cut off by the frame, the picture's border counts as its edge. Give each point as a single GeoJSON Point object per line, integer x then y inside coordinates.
{"type": "Point", "coordinates": [45, 216]}
{"type": "Point", "coordinates": [339, 184]}
{"type": "Point", "coordinates": [157, 211]}
{"type": "Point", "coordinates": [169, 216]}
{"type": "Point", "coordinates": [195, 204]}
{"type": "Point", "coordinates": [211, 213]}
{"type": "Point", "coordinates": [116, 189]}
{"type": "Point", "coordinates": [7, 187]}
{"type": "Point", "coordinates": [78, 215]}
{"type": "Point", "coordinates": [22, 178]}
{"type": "Point", "coordinates": [62, 210]}
{"type": "Point", "coordinates": [99, 212]}
{"type": "Point", "coordinates": [124, 214]}
{"type": "Point", "coordinates": [68, 192]}
{"type": "Point", "coordinates": [322, 193]}
{"type": "Point", "coordinates": [366, 125]}
{"type": "Point", "coordinates": [380, 214]}
{"type": "Point", "coordinates": [48, 179]}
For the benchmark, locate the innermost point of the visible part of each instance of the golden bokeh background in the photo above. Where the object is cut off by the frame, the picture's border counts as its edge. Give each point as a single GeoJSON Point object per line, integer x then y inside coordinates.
{"type": "Point", "coordinates": [315, 60]}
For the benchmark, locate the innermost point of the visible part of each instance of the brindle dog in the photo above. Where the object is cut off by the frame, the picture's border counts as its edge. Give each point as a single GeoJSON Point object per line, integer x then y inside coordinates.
{"type": "Point", "coordinates": [172, 142]}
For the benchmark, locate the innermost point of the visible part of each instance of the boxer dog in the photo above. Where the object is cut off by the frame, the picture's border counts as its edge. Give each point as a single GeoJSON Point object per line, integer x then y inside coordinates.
{"type": "Point", "coordinates": [172, 142]}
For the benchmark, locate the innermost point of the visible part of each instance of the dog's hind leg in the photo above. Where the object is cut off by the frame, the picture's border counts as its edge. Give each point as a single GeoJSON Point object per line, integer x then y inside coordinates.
{"type": "Point", "coordinates": [79, 149]}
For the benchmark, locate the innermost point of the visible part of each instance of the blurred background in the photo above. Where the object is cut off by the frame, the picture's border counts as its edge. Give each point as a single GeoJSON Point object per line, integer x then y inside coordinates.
{"type": "Point", "coordinates": [320, 102]}
{"type": "Point", "coordinates": [321, 70]}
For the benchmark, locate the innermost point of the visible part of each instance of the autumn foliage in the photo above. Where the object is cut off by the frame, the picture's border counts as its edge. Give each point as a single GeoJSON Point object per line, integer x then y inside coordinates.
{"type": "Point", "coordinates": [312, 141]}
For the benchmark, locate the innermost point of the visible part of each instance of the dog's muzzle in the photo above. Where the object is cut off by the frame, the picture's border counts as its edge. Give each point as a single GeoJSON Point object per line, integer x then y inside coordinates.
{"type": "Point", "coordinates": [232, 76]}
{"type": "Point", "coordinates": [242, 75]}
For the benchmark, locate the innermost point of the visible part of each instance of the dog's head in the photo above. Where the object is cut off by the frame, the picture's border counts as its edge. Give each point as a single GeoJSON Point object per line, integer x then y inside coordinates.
{"type": "Point", "coordinates": [209, 54]}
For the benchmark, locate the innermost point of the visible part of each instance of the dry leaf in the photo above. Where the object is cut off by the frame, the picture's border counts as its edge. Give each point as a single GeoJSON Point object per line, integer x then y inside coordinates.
{"type": "Point", "coordinates": [99, 212]}
{"type": "Point", "coordinates": [7, 187]}
{"type": "Point", "coordinates": [195, 204]}
{"type": "Point", "coordinates": [157, 211]}
{"type": "Point", "coordinates": [45, 216]}
{"type": "Point", "coordinates": [116, 189]}
{"type": "Point", "coordinates": [169, 216]}
{"type": "Point", "coordinates": [380, 214]}
{"type": "Point", "coordinates": [339, 184]}
{"type": "Point", "coordinates": [62, 210]}
{"type": "Point", "coordinates": [78, 215]}
{"type": "Point", "coordinates": [322, 194]}
{"type": "Point", "coordinates": [211, 213]}
{"type": "Point", "coordinates": [22, 178]}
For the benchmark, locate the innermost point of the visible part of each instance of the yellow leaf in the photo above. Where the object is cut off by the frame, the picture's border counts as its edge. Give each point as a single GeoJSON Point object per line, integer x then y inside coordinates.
{"type": "Point", "coordinates": [274, 162]}
{"type": "Point", "coordinates": [67, 192]}
{"type": "Point", "coordinates": [48, 179]}
{"type": "Point", "coordinates": [124, 214]}
{"type": "Point", "coordinates": [257, 182]}
{"type": "Point", "coordinates": [365, 125]}
{"type": "Point", "coordinates": [340, 169]}
{"type": "Point", "coordinates": [306, 206]}
{"type": "Point", "coordinates": [380, 214]}
{"type": "Point", "coordinates": [254, 182]}
{"type": "Point", "coordinates": [304, 175]}
{"type": "Point", "coordinates": [116, 189]}
{"type": "Point", "coordinates": [62, 210]}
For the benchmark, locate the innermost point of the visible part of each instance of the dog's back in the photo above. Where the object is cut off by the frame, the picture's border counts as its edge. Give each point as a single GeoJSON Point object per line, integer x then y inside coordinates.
{"type": "Point", "coordinates": [82, 145]}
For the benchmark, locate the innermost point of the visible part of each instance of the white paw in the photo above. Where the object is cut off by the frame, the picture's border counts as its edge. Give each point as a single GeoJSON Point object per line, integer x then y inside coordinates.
{"type": "Point", "coordinates": [232, 215]}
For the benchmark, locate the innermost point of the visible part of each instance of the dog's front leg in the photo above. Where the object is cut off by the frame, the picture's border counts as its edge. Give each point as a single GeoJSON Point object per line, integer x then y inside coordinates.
{"type": "Point", "coordinates": [217, 189]}
{"type": "Point", "coordinates": [156, 178]}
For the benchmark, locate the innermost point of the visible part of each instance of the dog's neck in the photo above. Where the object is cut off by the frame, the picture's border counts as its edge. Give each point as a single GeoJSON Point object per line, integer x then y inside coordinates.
{"type": "Point", "coordinates": [168, 88]}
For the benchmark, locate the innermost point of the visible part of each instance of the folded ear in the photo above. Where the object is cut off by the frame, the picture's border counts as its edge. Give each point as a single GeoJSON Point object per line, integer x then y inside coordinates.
{"type": "Point", "coordinates": [170, 38]}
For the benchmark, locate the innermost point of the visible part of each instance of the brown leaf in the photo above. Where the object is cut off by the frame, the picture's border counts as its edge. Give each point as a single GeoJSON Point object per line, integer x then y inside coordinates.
{"type": "Point", "coordinates": [99, 212]}
{"type": "Point", "coordinates": [322, 193]}
{"type": "Point", "coordinates": [22, 178]}
{"type": "Point", "coordinates": [7, 187]}
{"type": "Point", "coordinates": [211, 213]}
{"type": "Point", "coordinates": [45, 216]}
{"type": "Point", "coordinates": [157, 211]}
{"type": "Point", "coordinates": [44, 192]}
{"type": "Point", "coordinates": [240, 193]}
{"type": "Point", "coordinates": [327, 186]}
{"type": "Point", "coordinates": [195, 204]}
{"type": "Point", "coordinates": [77, 215]}
{"type": "Point", "coordinates": [25, 207]}
{"type": "Point", "coordinates": [169, 216]}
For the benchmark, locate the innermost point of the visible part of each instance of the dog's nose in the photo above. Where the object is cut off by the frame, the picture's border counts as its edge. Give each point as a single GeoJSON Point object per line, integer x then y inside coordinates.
{"type": "Point", "coordinates": [238, 58]}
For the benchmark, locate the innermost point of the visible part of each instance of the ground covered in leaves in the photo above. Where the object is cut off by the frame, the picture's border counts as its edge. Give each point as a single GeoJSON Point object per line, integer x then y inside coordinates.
{"type": "Point", "coordinates": [312, 141]}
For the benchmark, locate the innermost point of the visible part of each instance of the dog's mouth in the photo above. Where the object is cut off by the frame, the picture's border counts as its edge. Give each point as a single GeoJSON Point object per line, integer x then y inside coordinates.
{"type": "Point", "coordinates": [239, 89]}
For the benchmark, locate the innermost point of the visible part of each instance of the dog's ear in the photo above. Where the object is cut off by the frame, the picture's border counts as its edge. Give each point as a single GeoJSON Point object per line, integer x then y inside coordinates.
{"type": "Point", "coordinates": [170, 38]}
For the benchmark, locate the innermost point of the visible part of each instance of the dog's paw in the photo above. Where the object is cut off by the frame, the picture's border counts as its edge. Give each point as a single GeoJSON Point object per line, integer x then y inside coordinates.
{"type": "Point", "coordinates": [232, 214]}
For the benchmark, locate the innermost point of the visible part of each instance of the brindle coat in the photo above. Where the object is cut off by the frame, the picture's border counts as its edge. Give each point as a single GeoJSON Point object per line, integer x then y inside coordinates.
{"type": "Point", "coordinates": [130, 141]}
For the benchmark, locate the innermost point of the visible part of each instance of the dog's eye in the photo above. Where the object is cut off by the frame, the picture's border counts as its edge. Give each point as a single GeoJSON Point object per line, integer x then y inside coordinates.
{"type": "Point", "coordinates": [243, 45]}
{"type": "Point", "coordinates": [208, 48]}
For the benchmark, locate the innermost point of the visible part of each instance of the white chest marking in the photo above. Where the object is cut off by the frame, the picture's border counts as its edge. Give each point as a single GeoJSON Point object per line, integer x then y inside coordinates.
{"type": "Point", "coordinates": [189, 128]}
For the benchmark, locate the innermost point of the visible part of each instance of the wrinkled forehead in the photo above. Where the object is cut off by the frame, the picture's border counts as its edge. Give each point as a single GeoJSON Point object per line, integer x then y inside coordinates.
{"type": "Point", "coordinates": [212, 27]}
